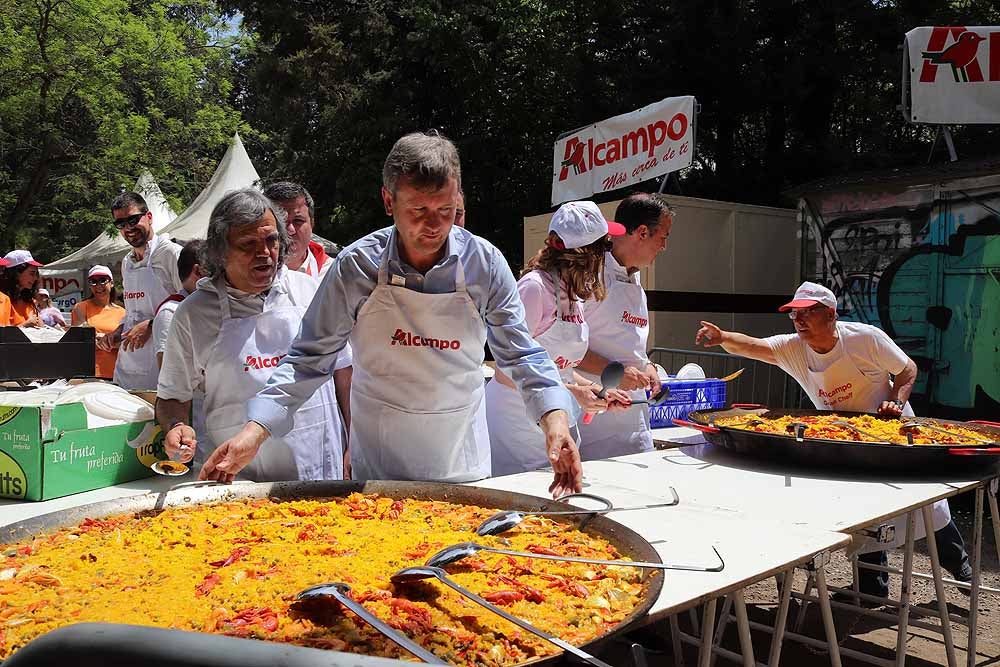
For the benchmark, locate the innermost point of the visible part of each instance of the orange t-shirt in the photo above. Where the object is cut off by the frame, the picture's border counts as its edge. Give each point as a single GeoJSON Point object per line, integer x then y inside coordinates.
{"type": "Point", "coordinates": [4, 310]}
{"type": "Point", "coordinates": [104, 320]}
{"type": "Point", "coordinates": [20, 311]}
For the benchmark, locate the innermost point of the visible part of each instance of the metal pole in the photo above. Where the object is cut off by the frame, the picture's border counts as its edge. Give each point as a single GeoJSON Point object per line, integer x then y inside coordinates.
{"type": "Point", "coordinates": [904, 597]}
{"type": "Point", "coordinates": [827, 613]}
{"type": "Point", "coordinates": [977, 550]}
{"type": "Point", "coordinates": [949, 644]}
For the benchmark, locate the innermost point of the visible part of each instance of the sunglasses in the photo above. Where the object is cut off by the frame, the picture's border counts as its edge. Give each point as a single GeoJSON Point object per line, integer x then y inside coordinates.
{"type": "Point", "coordinates": [803, 312]}
{"type": "Point", "coordinates": [99, 281]}
{"type": "Point", "coordinates": [130, 221]}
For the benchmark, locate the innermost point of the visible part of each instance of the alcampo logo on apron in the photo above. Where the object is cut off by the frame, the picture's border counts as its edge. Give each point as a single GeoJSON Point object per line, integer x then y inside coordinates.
{"type": "Point", "coordinates": [409, 339]}
{"type": "Point", "coordinates": [8, 413]}
{"type": "Point", "coordinates": [13, 482]}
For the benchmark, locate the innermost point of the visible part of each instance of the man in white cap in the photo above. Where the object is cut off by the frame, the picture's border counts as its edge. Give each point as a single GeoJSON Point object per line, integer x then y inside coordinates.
{"type": "Point", "coordinates": [846, 366]}
{"type": "Point", "coordinates": [619, 327]}
{"type": "Point", "coordinates": [149, 275]}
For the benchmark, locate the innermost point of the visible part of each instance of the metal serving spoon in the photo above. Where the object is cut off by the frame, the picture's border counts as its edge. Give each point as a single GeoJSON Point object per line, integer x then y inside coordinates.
{"type": "Point", "coordinates": [340, 592]}
{"type": "Point", "coordinates": [503, 521]}
{"type": "Point", "coordinates": [930, 427]}
{"type": "Point", "coordinates": [840, 422]}
{"type": "Point", "coordinates": [611, 377]}
{"type": "Point", "coordinates": [412, 574]}
{"type": "Point", "coordinates": [457, 552]}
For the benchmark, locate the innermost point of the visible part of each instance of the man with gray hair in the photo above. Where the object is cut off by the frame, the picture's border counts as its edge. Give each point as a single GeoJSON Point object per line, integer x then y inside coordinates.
{"type": "Point", "coordinates": [227, 338]}
{"type": "Point", "coordinates": [304, 254]}
{"type": "Point", "coordinates": [418, 301]}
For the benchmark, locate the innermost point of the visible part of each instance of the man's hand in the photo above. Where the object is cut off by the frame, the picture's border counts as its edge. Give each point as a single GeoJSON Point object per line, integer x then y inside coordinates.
{"type": "Point", "coordinates": [890, 409]}
{"type": "Point", "coordinates": [234, 454]}
{"type": "Point", "coordinates": [181, 439]}
{"type": "Point", "coordinates": [654, 379]}
{"type": "Point", "coordinates": [33, 321]}
{"type": "Point", "coordinates": [137, 336]}
{"type": "Point", "coordinates": [708, 335]}
{"type": "Point", "coordinates": [563, 454]}
{"type": "Point", "coordinates": [635, 379]}
{"type": "Point", "coordinates": [106, 342]}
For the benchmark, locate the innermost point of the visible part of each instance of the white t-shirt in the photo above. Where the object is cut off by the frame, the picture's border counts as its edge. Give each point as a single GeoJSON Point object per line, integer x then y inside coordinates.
{"type": "Point", "coordinates": [161, 322]}
{"type": "Point", "coordinates": [870, 348]}
{"type": "Point", "coordinates": [195, 326]}
{"type": "Point", "coordinates": [538, 295]}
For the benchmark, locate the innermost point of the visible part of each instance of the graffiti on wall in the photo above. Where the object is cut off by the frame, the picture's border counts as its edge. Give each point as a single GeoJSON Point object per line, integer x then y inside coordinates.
{"type": "Point", "coordinates": [921, 269]}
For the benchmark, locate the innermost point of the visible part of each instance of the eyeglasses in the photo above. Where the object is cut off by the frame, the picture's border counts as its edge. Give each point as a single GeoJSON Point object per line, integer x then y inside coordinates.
{"type": "Point", "coordinates": [130, 221]}
{"type": "Point", "coordinates": [802, 312]}
{"type": "Point", "coordinates": [99, 281]}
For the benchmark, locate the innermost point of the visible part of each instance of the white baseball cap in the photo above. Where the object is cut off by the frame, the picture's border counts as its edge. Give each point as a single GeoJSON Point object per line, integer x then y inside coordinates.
{"type": "Point", "coordinates": [809, 294]}
{"type": "Point", "coordinates": [19, 257]}
{"type": "Point", "coordinates": [99, 270]}
{"type": "Point", "coordinates": [580, 223]}
{"type": "Point", "coordinates": [43, 291]}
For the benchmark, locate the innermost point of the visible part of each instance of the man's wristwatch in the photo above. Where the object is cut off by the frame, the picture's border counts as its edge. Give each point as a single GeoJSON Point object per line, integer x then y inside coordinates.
{"type": "Point", "coordinates": [899, 403]}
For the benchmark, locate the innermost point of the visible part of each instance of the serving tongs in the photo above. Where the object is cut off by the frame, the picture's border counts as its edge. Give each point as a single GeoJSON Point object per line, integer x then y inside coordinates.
{"type": "Point", "coordinates": [340, 592]}
{"type": "Point", "coordinates": [908, 427]}
{"type": "Point", "coordinates": [457, 552]}
{"type": "Point", "coordinates": [413, 574]}
{"type": "Point", "coordinates": [503, 521]}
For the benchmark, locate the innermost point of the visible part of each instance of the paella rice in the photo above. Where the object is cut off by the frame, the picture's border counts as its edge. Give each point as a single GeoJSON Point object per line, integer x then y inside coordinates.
{"type": "Point", "coordinates": [822, 426]}
{"type": "Point", "coordinates": [234, 568]}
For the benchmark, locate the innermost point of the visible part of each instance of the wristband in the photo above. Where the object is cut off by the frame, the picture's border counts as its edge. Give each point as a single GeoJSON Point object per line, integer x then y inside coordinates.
{"type": "Point", "coordinates": [175, 424]}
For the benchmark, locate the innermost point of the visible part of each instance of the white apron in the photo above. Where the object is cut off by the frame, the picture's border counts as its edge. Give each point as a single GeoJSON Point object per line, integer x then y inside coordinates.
{"type": "Point", "coordinates": [517, 444]}
{"type": "Point", "coordinates": [843, 386]}
{"type": "Point", "coordinates": [137, 369]}
{"type": "Point", "coordinates": [619, 330]}
{"type": "Point", "coordinates": [417, 388]}
{"type": "Point", "coordinates": [243, 357]}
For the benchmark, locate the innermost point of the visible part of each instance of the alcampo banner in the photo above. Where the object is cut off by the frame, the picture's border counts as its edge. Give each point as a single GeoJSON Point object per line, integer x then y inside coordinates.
{"type": "Point", "coordinates": [621, 151]}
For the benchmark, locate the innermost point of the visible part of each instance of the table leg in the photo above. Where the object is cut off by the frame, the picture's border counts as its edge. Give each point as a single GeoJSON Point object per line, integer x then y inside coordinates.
{"type": "Point", "coordinates": [784, 597]}
{"type": "Point", "coordinates": [856, 584]}
{"type": "Point", "coordinates": [827, 613]}
{"type": "Point", "coordinates": [949, 644]}
{"type": "Point", "coordinates": [707, 626]}
{"type": "Point", "coordinates": [977, 550]}
{"type": "Point", "coordinates": [676, 641]}
{"type": "Point", "coordinates": [720, 631]}
{"type": "Point", "coordinates": [743, 625]}
{"type": "Point", "coordinates": [902, 636]}
{"type": "Point", "coordinates": [800, 615]}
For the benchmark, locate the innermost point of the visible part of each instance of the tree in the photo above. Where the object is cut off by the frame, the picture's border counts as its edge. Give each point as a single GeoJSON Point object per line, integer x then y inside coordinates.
{"type": "Point", "coordinates": [92, 92]}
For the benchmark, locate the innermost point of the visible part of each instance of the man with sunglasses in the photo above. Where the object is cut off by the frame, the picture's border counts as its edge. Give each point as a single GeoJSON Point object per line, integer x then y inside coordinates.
{"type": "Point", "coordinates": [149, 275]}
{"type": "Point", "coordinates": [846, 366]}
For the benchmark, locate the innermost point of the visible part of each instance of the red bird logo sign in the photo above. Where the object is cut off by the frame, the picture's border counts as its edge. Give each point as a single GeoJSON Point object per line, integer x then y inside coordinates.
{"type": "Point", "coordinates": [952, 75]}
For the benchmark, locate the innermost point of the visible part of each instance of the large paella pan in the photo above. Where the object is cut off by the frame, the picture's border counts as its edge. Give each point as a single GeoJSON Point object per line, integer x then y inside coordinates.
{"type": "Point", "coordinates": [324, 521]}
{"type": "Point", "coordinates": [802, 440]}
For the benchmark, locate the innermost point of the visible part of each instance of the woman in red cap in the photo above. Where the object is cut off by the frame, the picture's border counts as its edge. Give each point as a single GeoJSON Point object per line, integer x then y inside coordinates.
{"type": "Point", "coordinates": [101, 312]}
{"type": "Point", "coordinates": [20, 282]}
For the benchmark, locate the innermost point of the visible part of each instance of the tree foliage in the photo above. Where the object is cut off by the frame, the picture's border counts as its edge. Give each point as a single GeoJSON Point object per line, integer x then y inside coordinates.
{"type": "Point", "coordinates": [92, 92]}
{"type": "Point", "coordinates": [789, 90]}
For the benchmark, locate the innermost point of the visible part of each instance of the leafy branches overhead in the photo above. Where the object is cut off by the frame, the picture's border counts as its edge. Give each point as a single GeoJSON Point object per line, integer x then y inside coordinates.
{"type": "Point", "coordinates": [789, 91]}
{"type": "Point", "coordinates": [92, 92]}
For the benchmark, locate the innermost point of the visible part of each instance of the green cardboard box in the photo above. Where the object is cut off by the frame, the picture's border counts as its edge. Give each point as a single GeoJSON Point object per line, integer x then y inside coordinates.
{"type": "Point", "coordinates": [48, 452]}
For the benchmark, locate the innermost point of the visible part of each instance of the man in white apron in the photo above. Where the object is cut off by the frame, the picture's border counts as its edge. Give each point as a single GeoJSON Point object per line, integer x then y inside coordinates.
{"type": "Point", "coordinates": [847, 366]}
{"type": "Point", "coordinates": [619, 328]}
{"type": "Point", "coordinates": [229, 336]}
{"type": "Point", "coordinates": [417, 301]}
{"type": "Point", "coordinates": [149, 275]}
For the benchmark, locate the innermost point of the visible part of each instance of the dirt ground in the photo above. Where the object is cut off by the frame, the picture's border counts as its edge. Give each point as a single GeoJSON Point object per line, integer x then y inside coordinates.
{"type": "Point", "coordinates": [869, 636]}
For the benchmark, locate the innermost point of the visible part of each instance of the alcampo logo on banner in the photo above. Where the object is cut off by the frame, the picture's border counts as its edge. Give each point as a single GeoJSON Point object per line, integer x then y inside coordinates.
{"type": "Point", "coordinates": [13, 482]}
{"type": "Point", "coordinates": [962, 56]}
{"type": "Point", "coordinates": [644, 139]}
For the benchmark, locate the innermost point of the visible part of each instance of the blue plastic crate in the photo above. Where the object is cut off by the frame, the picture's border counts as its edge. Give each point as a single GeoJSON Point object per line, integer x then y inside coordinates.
{"type": "Point", "coordinates": [687, 396]}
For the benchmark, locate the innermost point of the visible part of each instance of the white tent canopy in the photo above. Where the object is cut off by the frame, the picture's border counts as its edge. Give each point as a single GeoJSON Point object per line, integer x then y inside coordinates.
{"type": "Point", "coordinates": [107, 249]}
